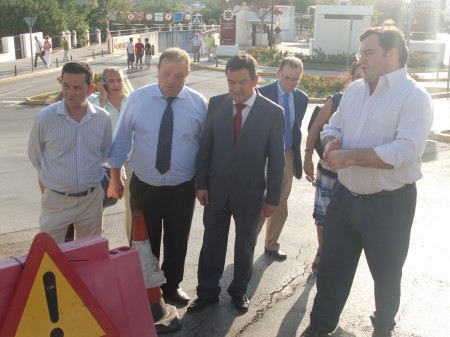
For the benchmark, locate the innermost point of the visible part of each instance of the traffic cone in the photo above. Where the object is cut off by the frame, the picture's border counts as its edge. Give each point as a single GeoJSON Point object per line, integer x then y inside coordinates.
{"type": "Point", "coordinates": [165, 316]}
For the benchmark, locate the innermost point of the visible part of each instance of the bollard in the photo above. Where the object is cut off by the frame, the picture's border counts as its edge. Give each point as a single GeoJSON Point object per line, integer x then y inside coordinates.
{"type": "Point", "coordinates": [15, 70]}
{"type": "Point", "coordinates": [57, 66]}
{"type": "Point", "coordinates": [93, 55]}
{"type": "Point", "coordinates": [217, 62]}
{"type": "Point", "coordinates": [102, 52]}
{"type": "Point", "coordinates": [71, 57]}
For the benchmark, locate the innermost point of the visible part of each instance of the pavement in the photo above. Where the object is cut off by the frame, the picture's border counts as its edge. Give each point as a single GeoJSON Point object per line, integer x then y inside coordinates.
{"type": "Point", "coordinates": [281, 293]}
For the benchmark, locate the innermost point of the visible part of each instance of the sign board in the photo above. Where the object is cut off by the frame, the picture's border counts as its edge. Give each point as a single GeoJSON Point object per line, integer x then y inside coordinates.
{"type": "Point", "coordinates": [227, 29]}
{"type": "Point", "coordinates": [168, 16]}
{"type": "Point", "coordinates": [177, 16]}
{"type": "Point", "coordinates": [196, 19]}
{"type": "Point", "coordinates": [52, 300]}
{"type": "Point", "coordinates": [30, 20]}
{"type": "Point", "coordinates": [159, 17]}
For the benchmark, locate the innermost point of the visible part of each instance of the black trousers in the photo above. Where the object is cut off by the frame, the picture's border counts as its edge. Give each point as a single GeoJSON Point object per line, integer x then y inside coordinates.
{"type": "Point", "coordinates": [168, 212]}
{"type": "Point", "coordinates": [382, 227]}
{"type": "Point", "coordinates": [214, 249]}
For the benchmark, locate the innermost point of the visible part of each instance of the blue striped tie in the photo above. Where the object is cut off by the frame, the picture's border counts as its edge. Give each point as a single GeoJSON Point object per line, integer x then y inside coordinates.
{"type": "Point", "coordinates": [288, 129]}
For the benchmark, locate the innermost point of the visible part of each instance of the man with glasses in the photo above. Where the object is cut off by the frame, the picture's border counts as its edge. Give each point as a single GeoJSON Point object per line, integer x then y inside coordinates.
{"type": "Point", "coordinates": [284, 92]}
{"type": "Point", "coordinates": [375, 141]}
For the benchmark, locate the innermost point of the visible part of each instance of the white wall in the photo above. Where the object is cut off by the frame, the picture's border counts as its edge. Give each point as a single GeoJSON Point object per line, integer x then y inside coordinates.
{"type": "Point", "coordinates": [9, 53]}
{"type": "Point", "coordinates": [332, 25]}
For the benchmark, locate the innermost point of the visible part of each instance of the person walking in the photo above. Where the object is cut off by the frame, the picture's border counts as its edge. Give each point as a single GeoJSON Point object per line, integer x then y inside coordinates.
{"type": "Point", "coordinates": [65, 45]}
{"type": "Point", "coordinates": [164, 145]}
{"type": "Point", "coordinates": [284, 92]}
{"type": "Point", "coordinates": [38, 51]}
{"type": "Point", "coordinates": [375, 141]}
{"type": "Point", "coordinates": [241, 157]}
{"type": "Point", "coordinates": [47, 46]}
{"type": "Point", "coordinates": [139, 50]}
{"type": "Point", "coordinates": [197, 43]}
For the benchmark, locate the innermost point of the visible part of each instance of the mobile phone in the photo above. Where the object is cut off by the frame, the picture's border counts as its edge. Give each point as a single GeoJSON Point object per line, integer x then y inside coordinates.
{"type": "Point", "coordinates": [104, 86]}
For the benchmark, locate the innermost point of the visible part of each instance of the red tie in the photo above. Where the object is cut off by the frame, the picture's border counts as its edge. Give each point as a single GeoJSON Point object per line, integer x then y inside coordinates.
{"type": "Point", "coordinates": [238, 120]}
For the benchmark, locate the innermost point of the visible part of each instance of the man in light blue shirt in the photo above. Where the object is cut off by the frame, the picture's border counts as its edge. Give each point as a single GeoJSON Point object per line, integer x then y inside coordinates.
{"type": "Point", "coordinates": [163, 160]}
{"type": "Point", "coordinates": [68, 143]}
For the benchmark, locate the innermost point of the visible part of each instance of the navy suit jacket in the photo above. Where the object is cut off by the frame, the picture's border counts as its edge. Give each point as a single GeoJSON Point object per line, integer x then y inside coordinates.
{"type": "Point", "coordinates": [300, 104]}
{"type": "Point", "coordinates": [240, 173]}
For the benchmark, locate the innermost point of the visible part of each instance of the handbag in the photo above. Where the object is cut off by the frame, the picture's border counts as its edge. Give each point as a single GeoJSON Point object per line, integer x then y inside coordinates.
{"type": "Point", "coordinates": [107, 201]}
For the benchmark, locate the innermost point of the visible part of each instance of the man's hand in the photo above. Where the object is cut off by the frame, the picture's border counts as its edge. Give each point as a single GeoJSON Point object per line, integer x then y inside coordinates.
{"type": "Point", "coordinates": [339, 159]}
{"type": "Point", "coordinates": [332, 145]}
{"type": "Point", "coordinates": [203, 197]}
{"type": "Point", "coordinates": [268, 210]}
{"type": "Point", "coordinates": [116, 185]}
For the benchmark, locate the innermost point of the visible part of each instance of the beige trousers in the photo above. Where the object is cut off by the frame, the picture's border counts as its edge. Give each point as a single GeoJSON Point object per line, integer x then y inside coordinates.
{"type": "Point", "coordinates": [59, 211]}
{"type": "Point", "coordinates": [275, 223]}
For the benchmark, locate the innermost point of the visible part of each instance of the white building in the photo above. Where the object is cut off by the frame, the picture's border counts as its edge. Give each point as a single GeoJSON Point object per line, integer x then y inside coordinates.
{"type": "Point", "coordinates": [337, 28]}
{"type": "Point", "coordinates": [249, 30]}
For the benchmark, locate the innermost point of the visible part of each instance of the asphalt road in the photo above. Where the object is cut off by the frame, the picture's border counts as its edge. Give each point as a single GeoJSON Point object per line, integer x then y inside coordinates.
{"type": "Point", "coordinates": [281, 293]}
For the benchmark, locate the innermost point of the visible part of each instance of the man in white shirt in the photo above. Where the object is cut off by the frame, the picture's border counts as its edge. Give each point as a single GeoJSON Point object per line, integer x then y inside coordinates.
{"type": "Point", "coordinates": [197, 42]}
{"type": "Point", "coordinates": [38, 52]}
{"type": "Point", "coordinates": [130, 54]}
{"type": "Point", "coordinates": [375, 141]}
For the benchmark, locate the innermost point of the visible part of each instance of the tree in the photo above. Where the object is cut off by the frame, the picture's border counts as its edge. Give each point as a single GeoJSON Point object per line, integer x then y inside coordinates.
{"type": "Point", "coordinates": [263, 8]}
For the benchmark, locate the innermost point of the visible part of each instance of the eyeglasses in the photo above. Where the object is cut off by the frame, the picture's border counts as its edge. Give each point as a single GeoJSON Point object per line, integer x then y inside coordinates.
{"type": "Point", "coordinates": [364, 53]}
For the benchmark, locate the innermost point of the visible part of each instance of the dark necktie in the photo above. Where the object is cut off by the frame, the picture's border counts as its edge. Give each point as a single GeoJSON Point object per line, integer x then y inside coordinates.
{"type": "Point", "coordinates": [164, 150]}
{"type": "Point", "coordinates": [238, 120]}
{"type": "Point", "coordinates": [288, 129]}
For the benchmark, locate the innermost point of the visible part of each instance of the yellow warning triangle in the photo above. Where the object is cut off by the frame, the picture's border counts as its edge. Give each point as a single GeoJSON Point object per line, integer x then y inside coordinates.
{"type": "Point", "coordinates": [51, 299]}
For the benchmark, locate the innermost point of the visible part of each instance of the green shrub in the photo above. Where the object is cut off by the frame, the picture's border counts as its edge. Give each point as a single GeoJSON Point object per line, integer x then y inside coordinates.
{"type": "Point", "coordinates": [323, 86]}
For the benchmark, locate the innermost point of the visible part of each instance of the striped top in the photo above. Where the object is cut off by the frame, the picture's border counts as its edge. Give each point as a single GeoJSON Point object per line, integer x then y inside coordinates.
{"type": "Point", "coordinates": [69, 155]}
{"type": "Point", "coordinates": [394, 121]}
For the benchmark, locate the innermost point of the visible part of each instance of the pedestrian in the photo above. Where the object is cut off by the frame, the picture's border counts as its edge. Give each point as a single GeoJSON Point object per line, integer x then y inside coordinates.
{"type": "Point", "coordinates": [326, 178]}
{"type": "Point", "coordinates": [164, 146]}
{"type": "Point", "coordinates": [47, 46]}
{"type": "Point", "coordinates": [284, 92]}
{"type": "Point", "coordinates": [68, 143]}
{"type": "Point", "coordinates": [130, 54]}
{"type": "Point", "coordinates": [375, 141]}
{"type": "Point", "coordinates": [210, 46]}
{"type": "Point", "coordinates": [238, 176]}
{"type": "Point", "coordinates": [65, 44]}
{"type": "Point", "coordinates": [38, 51]}
{"type": "Point", "coordinates": [148, 53]}
{"type": "Point", "coordinates": [197, 43]}
{"type": "Point", "coordinates": [139, 50]}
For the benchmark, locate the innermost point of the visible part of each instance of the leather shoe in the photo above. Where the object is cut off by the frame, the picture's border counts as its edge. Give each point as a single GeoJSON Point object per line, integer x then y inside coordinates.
{"type": "Point", "coordinates": [201, 303]}
{"type": "Point", "coordinates": [276, 254]}
{"type": "Point", "coordinates": [178, 295]}
{"type": "Point", "coordinates": [241, 302]}
{"type": "Point", "coordinates": [311, 332]}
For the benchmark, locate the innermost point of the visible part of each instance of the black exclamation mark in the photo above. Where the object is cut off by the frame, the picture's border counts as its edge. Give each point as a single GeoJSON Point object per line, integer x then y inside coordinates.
{"type": "Point", "coordinates": [52, 302]}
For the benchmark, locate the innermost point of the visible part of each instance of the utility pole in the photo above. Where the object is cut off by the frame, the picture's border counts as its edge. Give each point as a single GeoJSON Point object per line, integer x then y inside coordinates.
{"type": "Point", "coordinates": [30, 20]}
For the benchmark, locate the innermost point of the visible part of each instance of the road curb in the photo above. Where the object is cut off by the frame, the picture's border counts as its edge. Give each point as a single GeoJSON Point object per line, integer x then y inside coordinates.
{"type": "Point", "coordinates": [440, 136]}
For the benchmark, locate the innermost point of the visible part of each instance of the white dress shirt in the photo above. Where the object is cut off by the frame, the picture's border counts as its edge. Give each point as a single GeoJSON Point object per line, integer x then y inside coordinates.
{"type": "Point", "coordinates": [394, 120]}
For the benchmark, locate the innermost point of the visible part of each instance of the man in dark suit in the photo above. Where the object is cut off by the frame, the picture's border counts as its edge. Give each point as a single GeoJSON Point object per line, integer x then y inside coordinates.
{"type": "Point", "coordinates": [237, 156]}
{"type": "Point", "coordinates": [285, 93]}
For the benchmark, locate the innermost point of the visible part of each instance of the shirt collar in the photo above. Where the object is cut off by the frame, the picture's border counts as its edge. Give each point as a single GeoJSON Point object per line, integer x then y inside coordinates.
{"type": "Point", "coordinates": [281, 92]}
{"type": "Point", "coordinates": [62, 109]}
{"type": "Point", "coordinates": [394, 76]}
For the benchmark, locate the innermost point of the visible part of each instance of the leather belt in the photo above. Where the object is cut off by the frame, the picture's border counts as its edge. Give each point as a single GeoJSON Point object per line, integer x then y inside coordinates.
{"type": "Point", "coordinates": [378, 194]}
{"type": "Point", "coordinates": [76, 195]}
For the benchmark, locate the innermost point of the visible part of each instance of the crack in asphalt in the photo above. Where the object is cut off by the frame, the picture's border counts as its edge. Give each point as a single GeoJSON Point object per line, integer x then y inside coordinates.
{"type": "Point", "coordinates": [285, 291]}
